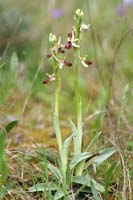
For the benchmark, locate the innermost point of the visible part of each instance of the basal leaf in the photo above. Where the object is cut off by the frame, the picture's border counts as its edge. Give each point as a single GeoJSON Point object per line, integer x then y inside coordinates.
{"type": "Point", "coordinates": [42, 187]}
{"type": "Point", "coordinates": [94, 192]}
{"type": "Point", "coordinates": [86, 181]}
{"type": "Point", "coordinates": [55, 171]}
{"type": "Point", "coordinates": [75, 135]}
{"type": "Point", "coordinates": [64, 156]}
{"type": "Point", "coordinates": [104, 155]}
{"type": "Point", "coordinates": [78, 158]}
{"type": "Point", "coordinates": [83, 180]}
{"type": "Point", "coordinates": [58, 195]}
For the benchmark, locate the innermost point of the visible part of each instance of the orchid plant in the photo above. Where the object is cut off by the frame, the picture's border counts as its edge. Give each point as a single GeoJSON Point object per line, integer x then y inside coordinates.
{"type": "Point", "coordinates": [72, 171]}
{"type": "Point", "coordinates": [58, 61]}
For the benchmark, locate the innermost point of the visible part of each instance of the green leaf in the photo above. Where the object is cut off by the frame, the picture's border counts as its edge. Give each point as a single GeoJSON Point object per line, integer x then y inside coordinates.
{"type": "Point", "coordinates": [90, 161]}
{"type": "Point", "coordinates": [94, 191]}
{"type": "Point", "coordinates": [64, 155]}
{"type": "Point", "coordinates": [11, 125]}
{"type": "Point", "coordinates": [68, 176]}
{"type": "Point", "coordinates": [58, 195]}
{"type": "Point", "coordinates": [55, 171]}
{"type": "Point", "coordinates": [104, 155]}
{"type": "Point", "coordinates": [83, 180]}
{"type": "Point", "coordinates": [78, 158]}
{"type": "Point", "coordinates": [42, 187]}
{"type": "Point", "coordinates": [75, 135]}
{"type": "Point", "coordinates": [86, 180]}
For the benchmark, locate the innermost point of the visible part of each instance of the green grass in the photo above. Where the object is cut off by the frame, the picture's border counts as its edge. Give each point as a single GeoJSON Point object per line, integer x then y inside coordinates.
{"type": "Point", "coordinates": [105, 89]}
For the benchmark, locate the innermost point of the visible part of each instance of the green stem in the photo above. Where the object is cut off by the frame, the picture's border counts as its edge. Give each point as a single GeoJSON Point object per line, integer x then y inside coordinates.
{"type": "Point", "coordinates": [57, 91]}
{"type": "Point", "coordinates": [78, 103]}
{"type": "Point", "coordinates": [56, 113]}
{"type": "Point", "coordinates": [56, 122]}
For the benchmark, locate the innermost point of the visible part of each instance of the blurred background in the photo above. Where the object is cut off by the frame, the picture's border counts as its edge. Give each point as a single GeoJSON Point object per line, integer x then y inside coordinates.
{"type": "Point", "coordinates": [24, 30]}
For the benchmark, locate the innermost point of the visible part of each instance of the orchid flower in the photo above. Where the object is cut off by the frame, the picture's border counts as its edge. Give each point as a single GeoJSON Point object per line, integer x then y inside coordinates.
{"type": "Point", "coordinates": [71, 40]}
{"type": "Point", "coordinates": [51, 77]}
{"type": "Point", "coordinates": [85, 61]}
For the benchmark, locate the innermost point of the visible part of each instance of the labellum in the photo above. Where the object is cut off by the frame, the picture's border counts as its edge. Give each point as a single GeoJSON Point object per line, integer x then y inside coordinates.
{"type": "Point", "coordinates": [68, 64]}
{"type": "Point", "coordinates": [60, 50]}
{"type": "Point", "coordinates": [88, 62]}
{"type": "Point", "coordinates": [45, 81]}
{"type": "Point", "coordinates": [68, 45]}
{"type": "Point", "coordinates": [49, 56]}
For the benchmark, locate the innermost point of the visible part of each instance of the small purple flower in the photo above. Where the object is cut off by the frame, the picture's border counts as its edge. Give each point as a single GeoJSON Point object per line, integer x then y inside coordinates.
{"type": "Point", "coordinates": [127, 2]}
{"type": "Point", "coordinates": [57, 13]}
{"type": "Point", "coordinates": [121, 10]}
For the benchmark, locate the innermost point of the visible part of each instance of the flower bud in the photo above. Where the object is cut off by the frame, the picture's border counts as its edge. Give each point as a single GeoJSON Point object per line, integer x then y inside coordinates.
{"type": "Point", "coordinates": [79, 14]}
{"type": "Point", "coordinates": [52, 39]}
